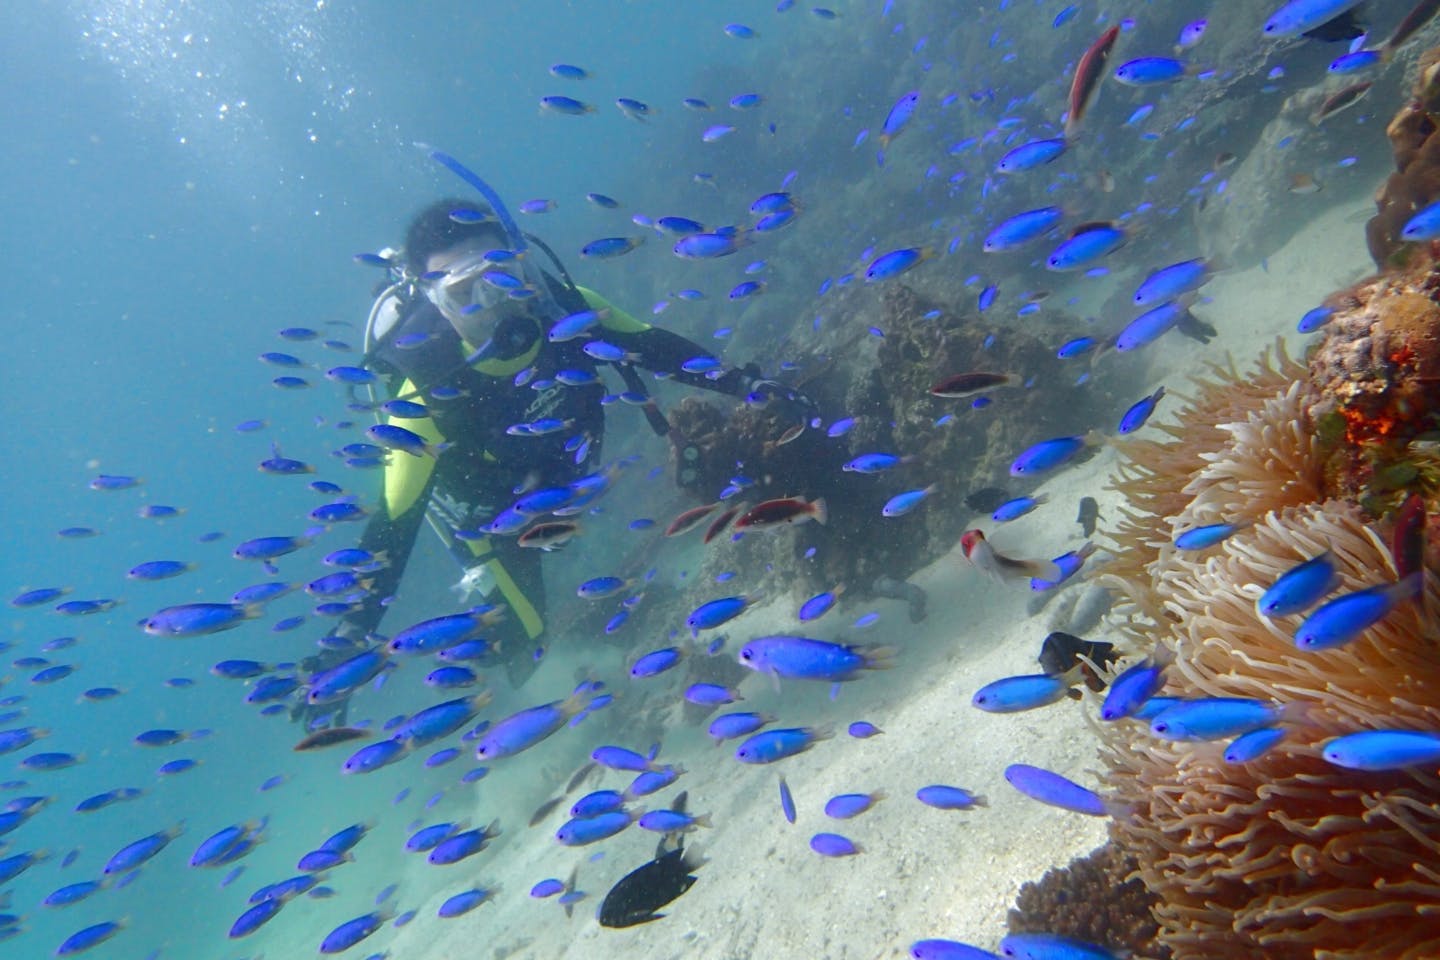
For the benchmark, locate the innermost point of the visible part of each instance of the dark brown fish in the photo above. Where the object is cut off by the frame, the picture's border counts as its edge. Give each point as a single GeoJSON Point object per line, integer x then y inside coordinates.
{"type": "Point", "coordinates": [1089, 513]}
{"type": "Point", "coordinates": [689, 520]}
{"type": "Point", "coordinates": [549, 535]}
{"type": "Point", "coordinates": [960, 385]}
{"type": "Point", "coordinates": [721, 522]}
{"type": "Point", "coordinates": [1419, 15]}
{"type": "Point", "coordinates": [785, 510]}
{"type": "Point", "coordinates": [1061, 653]}
{"type": "Point", "coordinates": [1088, 74]}
{"type": "Point", "coordinates": [1303, 184]}
{"type": "Point", "coordinates": [986, 499]}
{"type": "Point", "coordinates": [329, 737]}
{"type": "Point", "coordinates": [1223, 160]}
{"type": "Point", "coordinates": [1340, 100]}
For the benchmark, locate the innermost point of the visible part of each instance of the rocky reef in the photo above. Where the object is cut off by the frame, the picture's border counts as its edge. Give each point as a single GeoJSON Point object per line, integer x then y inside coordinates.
{"type": "Point", "coordinates": [882, 380]}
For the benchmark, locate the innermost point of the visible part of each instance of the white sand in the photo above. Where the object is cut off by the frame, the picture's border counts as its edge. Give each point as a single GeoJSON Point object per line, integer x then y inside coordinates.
{"type": "Point", "coordinates": [923, 872]}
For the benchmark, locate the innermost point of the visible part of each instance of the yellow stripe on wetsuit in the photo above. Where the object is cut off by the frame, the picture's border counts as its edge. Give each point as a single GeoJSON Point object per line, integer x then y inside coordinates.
{"type": "Point", "coordinates": [406, 476]}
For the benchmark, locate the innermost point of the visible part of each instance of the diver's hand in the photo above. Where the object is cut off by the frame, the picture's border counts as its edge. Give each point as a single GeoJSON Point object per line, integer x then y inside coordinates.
{"type": "Point", "coordinates": [786, 401]}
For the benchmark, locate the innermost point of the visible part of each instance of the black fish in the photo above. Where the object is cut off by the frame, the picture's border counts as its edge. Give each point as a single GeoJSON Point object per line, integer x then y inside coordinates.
{"type": "Point", "coordinates": [641, 892]}
{"type": "Point", "coordinates": [986, 499]}
{"type": "Point", "coordinates": [1062, 651]}
{"type": "Point", "coordinates": [1089, 513]}
{"type": "Point", "coordinates": [1347, 26]}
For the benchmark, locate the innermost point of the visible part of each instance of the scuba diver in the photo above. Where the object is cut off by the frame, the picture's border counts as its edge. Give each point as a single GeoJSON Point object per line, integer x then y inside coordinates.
{"type": "Point", "coordinates": [506, 405]}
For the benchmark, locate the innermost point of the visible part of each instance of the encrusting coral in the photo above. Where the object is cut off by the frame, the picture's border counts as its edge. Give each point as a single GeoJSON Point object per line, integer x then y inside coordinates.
{"type": "Point", "coordinates": [1094, 898]}
{"type": "Point", "coordinates": [1285, 856]}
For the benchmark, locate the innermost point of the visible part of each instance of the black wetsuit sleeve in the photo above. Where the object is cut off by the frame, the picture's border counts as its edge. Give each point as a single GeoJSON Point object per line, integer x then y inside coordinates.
{"type": "Point", "coordinates": [663, 352]}
{"type": "Point", "coordinates": [394, 537]}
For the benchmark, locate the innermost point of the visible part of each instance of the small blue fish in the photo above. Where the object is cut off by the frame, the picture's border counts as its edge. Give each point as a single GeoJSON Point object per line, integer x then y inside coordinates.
{"type": "Point", "coordinates": [1022, 228]}
{"type": "Point", "coordinates": [91, 936]}
{"type": "Point", "coordinates": [1051, 946]}
{"type": "Point", "coordinates": [847, 806]}
{"type": "Point", "coordinates": [1149, 71]}
{"type": "Point", "coordinates": [731, 726]}
{"type": "Point", "coordinates": [351, 932]}
{"type": "Point", "coordinates": [818, 605]}
{"type": "Point", "coordinates": [599, 588]}
{"type": "Point", "coordinates": [565, 105]}
{"type": "Point", "coordinates": [1150, 326]}
{"type": "Point", "coordinates": [1203, 538]}
{"type": "Point", "coordinates": [873, 463]}
{"type": "Point", "coordinates": [903, 503]}
{"type": "Point", "coordinates": [656, 662]}
{"type": "Point", "coordinates": [787, 801]}
{"type": "Point", "coordinates": [773, 745]}
{"type": "Point", "coordinates": [199, 619]}
{"type": "Point", "coordinates": [1217, 718]}
{"type": "Point", "coordinates": [1088, 243]}
{"type": "Point", "coordinates": [1140, 412]}
{"type": "Point", "coordinates": [1049, 454]}
{"type": "Point", "coordinates": [609, 247]}
{"type": "Point", "coordinates": [1028, 692]}
{"type": "Point", "coordinates": [1076, 347]}
{"type": "Point", "coordinates": [1301, 16]}
{"type": "Point", "coordinates": [1384, 750]}
{"type": "Point", "coordinates": [1170, 282]}
{"type": "Point", "coordinates": [671, 821]}
{"type": "Point", "coordinates": [1057, 791]}
{"type": "Point", "coordinates": [715, 613]}
{"type": "Point", "coordinates": [896, 262]}
{"type": "Point", "coordinates": [1016, 508]}
{"type": "Point", "coordinates": [1354, 62]}
{"type": "Point", "coordinates": [568, 71]}
{"type": "Point", "coordinates": [803, 658]}
{"type": "Point", "coordinates": [522, 730]}
{"type": "Point", "coordinates": [1250, 746]}
{"type": "Point", "coordinates": [1028, 156]}
{"type": "Point", "coordinates": [463, 902]}
{"type": "Point", "coordinates": [707, 246]}
{"type": "Point", "coordinates": [1135, 687]}
{"type": "Point", "coordinates": [1347, 617]}
{"type": "Point", "coordinates": [1300, 587]}
{"type": "Point", "coordinates": [943, 797]}
{"type": "Point", "coordinates": [582, 832]}
{"type": "Point", "coordinates": [1424, 225]}
{"type": "Point", "coordinates": [899, 117]}
{"type": "Point", "coordinates": [1314, 319]}
{"type": "Point", "coordinates": [834, 845]}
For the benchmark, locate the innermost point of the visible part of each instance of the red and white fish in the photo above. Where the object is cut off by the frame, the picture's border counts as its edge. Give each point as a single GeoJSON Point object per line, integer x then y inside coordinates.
{"type": "Point", "coordinates": [1000, 567]}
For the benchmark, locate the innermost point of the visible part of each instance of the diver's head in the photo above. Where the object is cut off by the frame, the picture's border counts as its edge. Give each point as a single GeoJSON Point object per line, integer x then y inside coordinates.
{"type": "Point", "coordinates": [469, 270]}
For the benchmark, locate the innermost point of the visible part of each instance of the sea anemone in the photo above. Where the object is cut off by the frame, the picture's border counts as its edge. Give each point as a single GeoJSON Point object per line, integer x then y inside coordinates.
{"type": "Point", "coordinates": [1286, 856]}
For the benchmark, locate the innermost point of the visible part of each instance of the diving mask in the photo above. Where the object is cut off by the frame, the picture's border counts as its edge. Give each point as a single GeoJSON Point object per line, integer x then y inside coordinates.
{"type": "Point", "coordinates": [474, 291]}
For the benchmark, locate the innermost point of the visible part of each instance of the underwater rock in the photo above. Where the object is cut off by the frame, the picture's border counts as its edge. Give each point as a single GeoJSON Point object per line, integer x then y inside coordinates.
{"type": "Point", "coordinates": [1286, 856]}
{"type": "Point", "coordinates": [1377, 377]}
{"type": "Point", "coordinates": [1416, 180]}
{"type": "Point", "coordinates": [1094, 898]}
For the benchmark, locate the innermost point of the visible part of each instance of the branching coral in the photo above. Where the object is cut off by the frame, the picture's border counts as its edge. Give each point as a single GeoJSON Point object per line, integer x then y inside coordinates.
{"type": "Point", "coordinates": [1286, 856]}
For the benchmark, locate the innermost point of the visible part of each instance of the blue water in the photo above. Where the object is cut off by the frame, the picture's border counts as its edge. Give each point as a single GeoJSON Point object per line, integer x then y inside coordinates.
{"type": "Point", "coordinates": [183, 180]}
